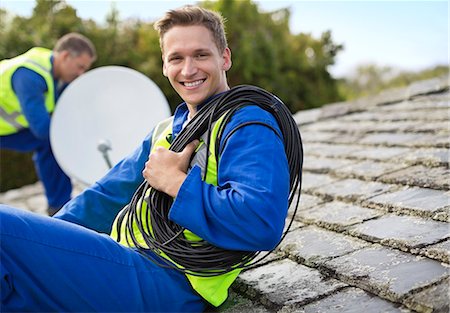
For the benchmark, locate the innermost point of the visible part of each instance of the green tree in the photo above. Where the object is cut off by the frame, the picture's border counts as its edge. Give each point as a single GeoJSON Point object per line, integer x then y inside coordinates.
{"type": "Point", "coordinates": [265, 53]}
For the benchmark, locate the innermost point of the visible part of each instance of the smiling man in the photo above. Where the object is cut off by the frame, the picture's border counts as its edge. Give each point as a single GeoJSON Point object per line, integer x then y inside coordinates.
{"type": "Point", "coordinates": [30, 85]}
{"type": "Point", "coordinates": [195, 68]}
{"type": "Point", "coordinates": [232, 199]}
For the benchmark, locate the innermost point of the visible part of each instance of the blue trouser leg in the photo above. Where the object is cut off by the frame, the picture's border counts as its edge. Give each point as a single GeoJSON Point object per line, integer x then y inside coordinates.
{"type": "Point", "coordinates": [50, 265]}
{"type": "Point", "coordinates": [57, 185]}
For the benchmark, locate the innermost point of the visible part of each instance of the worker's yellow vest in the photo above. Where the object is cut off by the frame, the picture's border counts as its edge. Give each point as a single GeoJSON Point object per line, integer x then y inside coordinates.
{"type": "Point", "coordinates": [213, 289]}
{"type": "Point", "coordinates": [36, 59]}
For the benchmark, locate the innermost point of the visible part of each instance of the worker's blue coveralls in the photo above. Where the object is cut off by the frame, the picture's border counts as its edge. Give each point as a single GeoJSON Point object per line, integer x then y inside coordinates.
{"type": "Point", "coordinates": [52, 264]}
{"type": "Point", "coordinates": [30, 88]}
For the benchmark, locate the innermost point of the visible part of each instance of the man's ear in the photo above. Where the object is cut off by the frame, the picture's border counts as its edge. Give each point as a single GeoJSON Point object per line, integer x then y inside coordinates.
{"type": "Point", "coordinates": [64, 54]}
{"type": "Point", "coordinates": [226, 59]}
{"type": "Point", "coordinates": [61, 56]}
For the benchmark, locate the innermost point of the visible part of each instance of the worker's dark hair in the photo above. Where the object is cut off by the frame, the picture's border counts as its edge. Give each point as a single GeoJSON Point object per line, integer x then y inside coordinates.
{"type": "Point", "coordinates": [76, 44]}
{"type": "Point", "coordinates": [193, 15]}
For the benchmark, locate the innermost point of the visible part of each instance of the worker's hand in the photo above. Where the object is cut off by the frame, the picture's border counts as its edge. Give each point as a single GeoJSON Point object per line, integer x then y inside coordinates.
{"type": "Point", "coordinates": [166, 170]}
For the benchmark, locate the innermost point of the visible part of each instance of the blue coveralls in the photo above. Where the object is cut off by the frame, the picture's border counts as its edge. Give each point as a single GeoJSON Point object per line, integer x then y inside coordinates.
{"type": "Point", "coordinates": [30, 88]}
{"type": "Point", "coordinates": [50, 264]}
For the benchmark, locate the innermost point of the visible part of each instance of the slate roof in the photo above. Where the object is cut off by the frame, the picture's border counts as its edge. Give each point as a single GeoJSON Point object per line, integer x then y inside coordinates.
{"type": "Point", "coordinates": [372, 232]}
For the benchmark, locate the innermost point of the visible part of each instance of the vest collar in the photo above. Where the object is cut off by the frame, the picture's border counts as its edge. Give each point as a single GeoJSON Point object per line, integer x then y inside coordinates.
{"type": "Point", "coordinates": [182, 112]}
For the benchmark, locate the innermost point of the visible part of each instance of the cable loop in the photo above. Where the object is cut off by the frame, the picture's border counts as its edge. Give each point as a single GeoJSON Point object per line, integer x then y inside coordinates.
{"type": "Point", "coordinates": [200, 258]}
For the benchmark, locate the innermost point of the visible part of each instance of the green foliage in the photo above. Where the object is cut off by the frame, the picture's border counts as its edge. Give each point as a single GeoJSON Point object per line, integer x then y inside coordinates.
{"type": "Point", "coordinates": [16, 170]}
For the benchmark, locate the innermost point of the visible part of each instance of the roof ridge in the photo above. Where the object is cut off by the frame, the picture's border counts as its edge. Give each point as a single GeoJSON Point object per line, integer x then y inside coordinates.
{"type": "Point", "coordinates": [391, 95]}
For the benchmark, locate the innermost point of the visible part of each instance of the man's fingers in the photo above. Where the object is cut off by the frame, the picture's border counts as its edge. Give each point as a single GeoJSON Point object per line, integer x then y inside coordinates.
{"type": "Point", "coordinates": [190, 148]}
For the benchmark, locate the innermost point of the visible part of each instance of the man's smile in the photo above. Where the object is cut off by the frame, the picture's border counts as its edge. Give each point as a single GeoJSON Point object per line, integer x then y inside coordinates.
{"type": "Point", "coordinates": [193, 83]}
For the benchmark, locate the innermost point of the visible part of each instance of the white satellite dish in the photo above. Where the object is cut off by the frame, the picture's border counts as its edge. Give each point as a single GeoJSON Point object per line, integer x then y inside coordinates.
{"type": "Point", "coordinates": [101, 117]}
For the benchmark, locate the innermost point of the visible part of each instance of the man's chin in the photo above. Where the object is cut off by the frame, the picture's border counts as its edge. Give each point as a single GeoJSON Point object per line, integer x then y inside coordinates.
{"type": "Point", "coordinates": [68, 80]}
{"type": "Point", "coordinates": [194, 100]}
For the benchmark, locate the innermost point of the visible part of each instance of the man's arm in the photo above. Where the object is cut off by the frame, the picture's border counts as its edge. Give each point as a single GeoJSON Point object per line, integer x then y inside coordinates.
{"type": "Point", "coordinates": [247, 210]}
{"type": "Point", "coordinates": [97, 206]}
{"type": "Point", "coordinates": [30, 88]}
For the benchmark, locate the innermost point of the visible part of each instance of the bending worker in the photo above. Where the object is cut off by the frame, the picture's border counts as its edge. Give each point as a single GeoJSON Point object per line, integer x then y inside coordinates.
{"type": "Point", "coordinates": [240, 206]}
{"type": "Point", "coordinates": [30, 85]}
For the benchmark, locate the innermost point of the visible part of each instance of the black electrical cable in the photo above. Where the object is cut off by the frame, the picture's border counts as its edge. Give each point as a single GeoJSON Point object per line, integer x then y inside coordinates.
{"type": "Point", "coordinates": [161, 235]}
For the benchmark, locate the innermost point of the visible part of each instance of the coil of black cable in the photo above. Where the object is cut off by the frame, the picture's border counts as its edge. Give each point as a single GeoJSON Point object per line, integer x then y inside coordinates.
{"type": "Point", "coordinates": [201, 258]}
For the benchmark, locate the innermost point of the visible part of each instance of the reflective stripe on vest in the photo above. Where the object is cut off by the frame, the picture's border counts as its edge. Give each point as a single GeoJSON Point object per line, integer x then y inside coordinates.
{"type": "Point", "coordinates": [11, 116]}
{"type": "Point", "coordinates": [213, 289]}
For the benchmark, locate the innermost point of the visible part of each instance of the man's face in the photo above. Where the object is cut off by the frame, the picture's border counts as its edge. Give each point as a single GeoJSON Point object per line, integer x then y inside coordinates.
{"type": "Point", "coordinates": [73, 66]}
{"type": "Point", "coordinates": [193, 64]}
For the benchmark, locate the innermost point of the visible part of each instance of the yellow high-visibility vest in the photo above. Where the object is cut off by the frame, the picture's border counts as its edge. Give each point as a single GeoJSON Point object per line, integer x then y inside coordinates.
{"type": "Point", "coordinates": [11, 116]}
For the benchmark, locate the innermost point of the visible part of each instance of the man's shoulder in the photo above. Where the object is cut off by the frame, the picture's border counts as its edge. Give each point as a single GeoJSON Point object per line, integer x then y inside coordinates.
{"type": "Point", "coordinates": [27, 76]}
{"type": "Point", "coordinates": [253, 112]}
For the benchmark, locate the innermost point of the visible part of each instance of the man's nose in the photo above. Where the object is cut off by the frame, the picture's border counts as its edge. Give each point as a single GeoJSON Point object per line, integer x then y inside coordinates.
{"type": "Point", "coordinates": [189, 67]}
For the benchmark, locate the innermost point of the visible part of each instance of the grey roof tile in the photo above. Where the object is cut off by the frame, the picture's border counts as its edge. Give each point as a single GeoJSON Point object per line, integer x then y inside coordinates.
{"type": "Point", "coordinates": [313, 245]}
{"type": "Point", "coordinates": [428, 86]}
{"type": "Point", "coordinates": [24, 192]}
{"type": "Point", "coordinates": [323, 165]}
{"type": "Point", "coordinates": [389, 273]}
{"type": "Point", "coordinates": [380, 153]}
{"type": "Point", "coordinates": [439, 251]}
{"type": "Point", "coordinates": [403, 232]}
{"type": "Point", "coordinates": [352, 189]}
{"type": "Point", "coordinates": [286, 282]}
{"type": "Point", "coordinates": [431, 299]}
{"type": "Point", "coordinates": [311, 180]}
{"type": "Point", "coordinates": [430, 157]}
{"type": "Point", "coordinates": [306, 117]}
{"type": "Point", "coordinates": [347, 138]}
{"type": "Point", "coordinates": [369, 170]}
{"type": "Point", "coordinates": [293, 224]}
{"type": "Point", "coordinates": [331, 150]}
{"type": "Point", "coordinates": [307, 201]}
{"type": "Point", "coordinates": [394, 139]}
{"type": "Point", "coordinates": [337, 215]}
{"type": "Point", "coordinates": [350, 300]}
{"type": "Point", "coordinates": [420, 175]}
{"type": "Point", "coordinates": [310, 136]}
{"type": "Point", "coordinates": [420, 200]}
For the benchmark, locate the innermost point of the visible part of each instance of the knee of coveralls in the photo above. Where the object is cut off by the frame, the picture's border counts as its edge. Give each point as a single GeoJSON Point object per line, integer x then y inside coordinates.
{"type": "Point", "coordinates": [50, 265]}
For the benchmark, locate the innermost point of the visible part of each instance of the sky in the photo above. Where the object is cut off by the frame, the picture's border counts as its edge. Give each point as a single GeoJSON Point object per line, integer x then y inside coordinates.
{"type": "Point", "coordinates": [407, 35]}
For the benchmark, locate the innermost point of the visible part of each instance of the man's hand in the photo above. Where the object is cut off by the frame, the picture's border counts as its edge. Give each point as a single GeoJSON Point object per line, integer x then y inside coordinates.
{"type": "Point", "coordinates": [166, 170]}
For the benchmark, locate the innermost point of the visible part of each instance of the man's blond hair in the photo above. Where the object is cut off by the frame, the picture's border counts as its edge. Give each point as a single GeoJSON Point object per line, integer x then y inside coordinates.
{"type": "Point", "coordinates": [193, 15]}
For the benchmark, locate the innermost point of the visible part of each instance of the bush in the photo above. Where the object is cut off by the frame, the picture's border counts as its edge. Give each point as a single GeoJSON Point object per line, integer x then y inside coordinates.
{"type": "Point", "coordinates": [16, 170]}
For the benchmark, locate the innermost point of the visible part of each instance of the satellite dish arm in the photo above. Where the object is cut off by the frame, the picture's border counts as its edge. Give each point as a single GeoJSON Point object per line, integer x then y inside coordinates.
{"type": "Point", "coordinates": [97, 206]}
{"type": "Point", "coordinates": [104, 146]}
